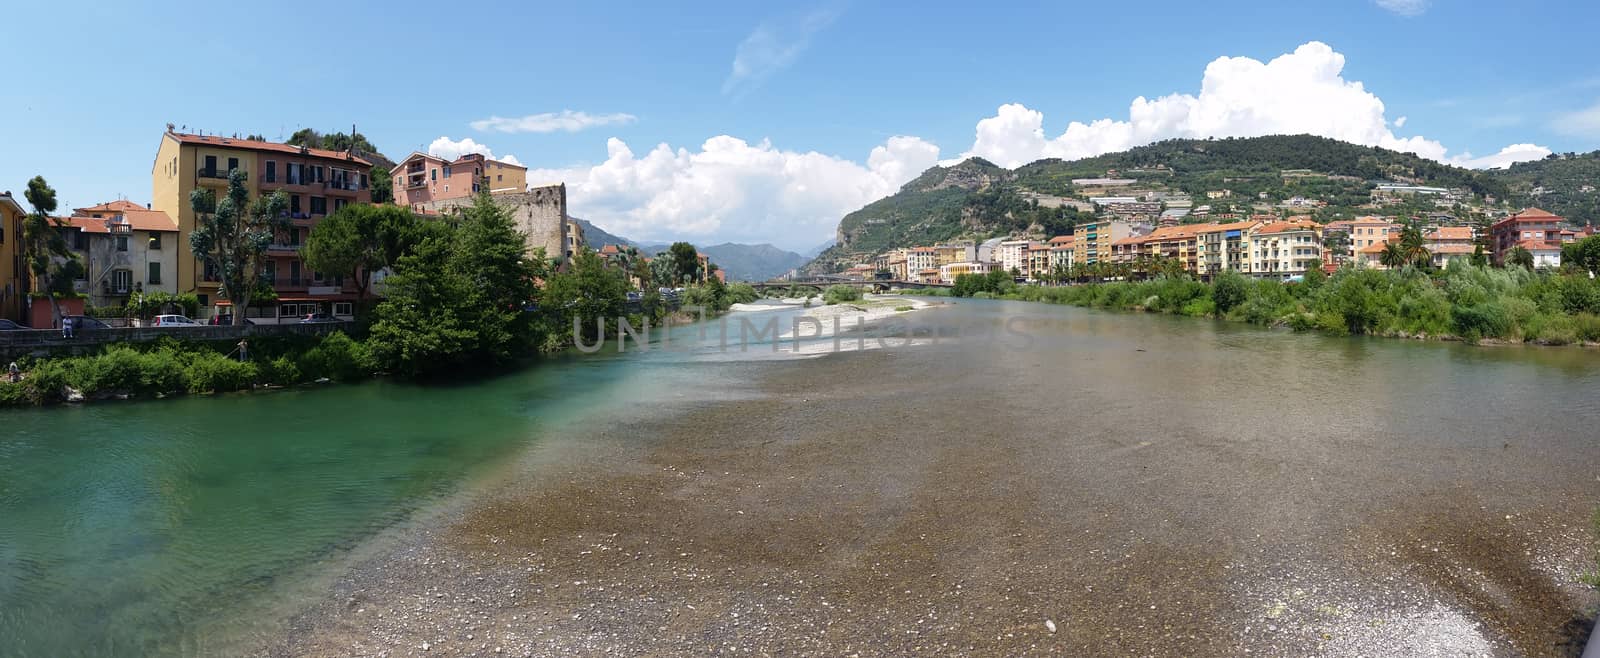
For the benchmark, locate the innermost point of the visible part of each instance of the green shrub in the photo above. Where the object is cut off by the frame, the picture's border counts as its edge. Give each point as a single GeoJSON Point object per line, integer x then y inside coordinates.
{"type": "Point", "coordinates": [210, 372]}
{"type": "Point", "coordinates": [1487, 320]}
{"type": "Point", "coordinates": [163, 371]}
{"type": "Point", "coordinates": [1587, 327]}
{"type": "Point", "coordinates": [742, 293]}
{"type": "Point", "coordinates": [117, 370]}
{"type": "Point", "coordinates": [1556, 330]}
{"type": "Point", "coordinates": [281, 371]}
{"type": "Point", "coordinates": [46, 382]}
{"type": "Point", "coordinates": [1199, 308]}
{"type": "Point", "coordinates": [841, 294]}
{"type": "Point", "coordinates": [339, 358]}
{"type": "Point", "coordinates": [1229, 290]}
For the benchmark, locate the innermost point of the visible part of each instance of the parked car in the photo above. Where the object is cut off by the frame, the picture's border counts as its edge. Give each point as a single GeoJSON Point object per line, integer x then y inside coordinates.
{"type": "Point", "coordinates": [318, 318]}
{"type": "Point", "coordinates": [86, 322]}
{"type": "Point", "coordinates": [173, 321]}
{"type": "Point", "coordinates": [7, 325]}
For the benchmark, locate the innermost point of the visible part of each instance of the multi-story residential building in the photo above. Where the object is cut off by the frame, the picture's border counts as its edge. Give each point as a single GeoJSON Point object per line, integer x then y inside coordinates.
{"type": "Point", "coordinates": [1092, 239]}
{"type": "Point", "coordinates": [1038, 260]}
{"type": "Point", "coordinates": [1532, 229]}
{"type": "Point", "coordinates": [421, 178]}
{"type": "Point", "coordinates": [1369, 231]}
{"type": "Point", "coordinates": [921, 259]}
{"type": "Point", "coordinates": [1012, 256]}
{"type": "Point", "coordinates": [317, 182]}
{"type": "Point", "coordinates": [949, 271]}
{"type": "Point", "coordinates": [989, 250]}
{"type": "Point", "coordinates": [13, 279]}
{"type": "Point", "coordinates": [1061, 252]}
{"type": "Point", "coordinates": [955, 252]}
{"type": "Point", "coordinates": [1447, 243]}
{"type": "Point", "coordinates": [897, 265]}
{"type": "Point", "coordinates": [1285, 248]}
{"type": "Point", "coordinates": [1220, 247]}
{"type": "Point", "coordinates": [126, 250]}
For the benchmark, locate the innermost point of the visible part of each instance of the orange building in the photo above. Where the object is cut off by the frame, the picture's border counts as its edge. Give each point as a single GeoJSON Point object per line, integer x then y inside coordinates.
{"type": "Point", "coordinates": [421, 178]}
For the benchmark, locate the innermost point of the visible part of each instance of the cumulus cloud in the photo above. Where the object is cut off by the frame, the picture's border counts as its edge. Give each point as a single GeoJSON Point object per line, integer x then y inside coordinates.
{"type": "Point", "coordinates": [449, 149]}
{"type": "Point", "coordinates": [1400, 122]}
{"type": "Point", "coordinates": [772, 47]}
{"type": "Point", "coordinates": [734, 190]}
{"type": "Point", "coordinates": [549, 122]}
{"type": "Point", "coordinates": [1405, 7]}
{"type": "Point", "coordinates": [1581, 123]}
{"type": "Point", "coordinates": [1300, 92]}
{"type": "Point", "coordinates": [1505, 158]}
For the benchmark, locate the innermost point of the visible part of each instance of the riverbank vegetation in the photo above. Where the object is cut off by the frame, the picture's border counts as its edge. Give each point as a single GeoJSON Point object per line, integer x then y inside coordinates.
{"type": "Point", "coordinates": [1461, 301]}
{"type": "Point", "coordinates": [461, 297]}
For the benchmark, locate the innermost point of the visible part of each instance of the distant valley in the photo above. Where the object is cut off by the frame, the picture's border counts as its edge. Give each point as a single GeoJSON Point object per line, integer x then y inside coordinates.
{"type": "Point", "coordinates": [742, 262]}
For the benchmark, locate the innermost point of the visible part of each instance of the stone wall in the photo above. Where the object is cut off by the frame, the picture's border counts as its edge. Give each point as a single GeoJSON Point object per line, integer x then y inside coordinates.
{"type": "Point", "coordinates": [540, 213]}
{"type": "Point", "coordinates": [48, 342]}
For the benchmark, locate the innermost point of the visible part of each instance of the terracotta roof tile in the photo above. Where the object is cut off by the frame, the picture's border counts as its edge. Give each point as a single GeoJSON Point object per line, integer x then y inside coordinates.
{"type": "Point", "coordinates": [253, 145]}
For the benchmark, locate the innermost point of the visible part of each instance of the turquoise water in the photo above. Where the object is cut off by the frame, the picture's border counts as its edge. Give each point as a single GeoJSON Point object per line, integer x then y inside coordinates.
{"type": "Point", "coordinates": [162, 527]}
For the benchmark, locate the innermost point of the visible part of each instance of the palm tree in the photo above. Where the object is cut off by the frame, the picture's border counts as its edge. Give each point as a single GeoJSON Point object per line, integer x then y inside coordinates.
{"type": "Point", "coordinates": [1519, 257]}
{"type": "Point", "coordinates": [1413, 246]}
{"type": "Point", "coordinates": [1394, 256]}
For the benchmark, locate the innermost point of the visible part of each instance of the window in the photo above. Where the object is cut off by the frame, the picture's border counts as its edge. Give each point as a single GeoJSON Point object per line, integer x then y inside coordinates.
{"type": "Point", "coordinates": [122, 243]}
{"type": "Point", "coordinates": [294, 204]}
{"type": "Point", "coordinates": [447, 187]}
{"type": "Point", "coordinates": [319, 171]}
{"type": "Point", "coordinates": [211, 164]}
{"type": "Point", "coordinates": [80, 240]}
{"type": "Point", "coordinates": [271, 174]}
{"type": "Point", "coordinates": [340, 203]}
{"type": "Point", "coordinates": [211, 271]}
{"type": "Point", "coordinates": [343, 308]}
{"type": "Point", "coordinates": [499, 177]}
{"type": "Point", "coordinates": [319, 205]}
{"type": "Point", "coordinates": [294, 172]}
{"type": "Point", "coordinates": [363, 181]}
{"type": "Point", "coordinates": [434, 174]}
{"type": "Point", "coordinates": [294, 273]}
{"type": "Point", "coordinates": [447, 171]}
{"type": "Point", "coordinates": [269, 274]}
{"type": "Point", "coordinates": [121, 280]}
{"type": "Point", "coordinates": [153, 277]}
{"type": "Point", "coordinates": [233, 163]}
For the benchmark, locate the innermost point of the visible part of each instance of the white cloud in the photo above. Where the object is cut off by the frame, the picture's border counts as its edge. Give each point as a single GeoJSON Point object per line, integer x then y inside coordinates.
{"type": "Point", "coordinates": [1508, 155]}
{"type": "Point", "coordinates": [1405, 7]}
{"type": "Point", "coordinates": [1581, 123]}
{"type": "Point", "coordinates": [1300, 92]}
{"type": "Point", "coordinates": [772, 47]}
{"type": "Point", "coordinates": [449, 149]}
{"type": "Point", "coordinates": [549, 122]}
{"type": "Point", "coordinates": [734, 190]}
{"type": "Point", "coordinates": [1400, 122]}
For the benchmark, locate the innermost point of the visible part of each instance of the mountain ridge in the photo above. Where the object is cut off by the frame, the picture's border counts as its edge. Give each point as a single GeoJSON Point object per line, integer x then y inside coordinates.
{"type": "Point", "coordinates": [742, 262]}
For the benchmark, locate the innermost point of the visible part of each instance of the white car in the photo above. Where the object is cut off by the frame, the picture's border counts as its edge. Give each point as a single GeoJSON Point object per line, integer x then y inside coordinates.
{"type": "Point", "coordinates": [173, 321]}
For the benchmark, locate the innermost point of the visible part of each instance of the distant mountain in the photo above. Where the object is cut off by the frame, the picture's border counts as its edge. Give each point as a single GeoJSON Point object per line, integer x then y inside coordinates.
{"type": "Point", "coordinates": [978, 199]}
{"type": "Point", "coordinates": [753, 262]}
{"type": "Point", "coordinates": [742, 262]}
{"type": "Point", "coordinates": [812, 252]}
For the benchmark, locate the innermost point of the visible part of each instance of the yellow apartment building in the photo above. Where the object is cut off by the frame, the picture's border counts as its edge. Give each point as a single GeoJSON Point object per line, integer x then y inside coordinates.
{"type": "Point", "coordinates": [13, 279]}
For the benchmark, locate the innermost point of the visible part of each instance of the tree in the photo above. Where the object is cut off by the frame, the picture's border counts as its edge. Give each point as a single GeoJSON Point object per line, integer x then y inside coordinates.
{"type": "Point", "coordinates": [338, 141]}
{"type": "Point", "coordinates": [459, 299]}
{"type": "Point", "coordinates": [233, 234]}
{"type": "Point", "coordinates": [1479, 258]}
{"type": "Point", "coordinates": [359, 239]}
{"type": "Point", "coordinates": [1519, 257]}
{"type": "Point", "coordinates": [1584, 253]}
{"type": "Point", "coordinates": [588, 292]}
{"type": "Point", "coordinates": [1393, 256]}
{"type": "Point", "coordinates": [382, 186]}
{"type": "Point", "coordinates": [1229, 291]}
{"type": "Point", "coordinates": [664, 269]}
{"type": "Point", "coordinates": [1413, 247]}
{"type": "Point", "coordinates": [687, 260]}
{"type": "Point", "coordinates": [44, 246]}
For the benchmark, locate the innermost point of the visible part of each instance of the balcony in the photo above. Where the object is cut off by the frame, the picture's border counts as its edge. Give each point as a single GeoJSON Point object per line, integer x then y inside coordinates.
{"type": "Point", "coordinates": [212, 176]}
{"type": "Point", "coordinates": [283, 249]}
{"type": "Point", "coordinates": [416, 183]}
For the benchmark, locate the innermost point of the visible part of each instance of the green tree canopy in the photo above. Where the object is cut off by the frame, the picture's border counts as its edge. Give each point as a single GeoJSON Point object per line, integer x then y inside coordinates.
{"type": "Point", "coordinates": [687, 261]}
{"type": "Point", "coordinates": [360, 239]}
{"type": "Point", "coordinates": [234, 233]}
{"type": "Point", "coordinates": [48, 258]}
{"type": "Point", "coordinates": [584, 296]}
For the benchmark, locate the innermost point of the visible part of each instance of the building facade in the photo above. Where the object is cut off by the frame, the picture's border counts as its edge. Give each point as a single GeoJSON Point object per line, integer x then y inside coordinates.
{"type": "Point", "coordinates": [1286, 248]}
{"type": "Point", "coordinates": [423, 178]}
{"type": "Point", "coordinates": [316, 181]}
{"type": "Point", "coordinates": [13, 272]}
{"type": "Point", "coordinates": [1532, 229]}
{"type": "Point", "coordinates": [126, 249]}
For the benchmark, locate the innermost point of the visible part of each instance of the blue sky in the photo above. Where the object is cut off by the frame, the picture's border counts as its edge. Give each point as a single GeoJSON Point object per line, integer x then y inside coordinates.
{"type": "Point", "coordinates": [91, 86]}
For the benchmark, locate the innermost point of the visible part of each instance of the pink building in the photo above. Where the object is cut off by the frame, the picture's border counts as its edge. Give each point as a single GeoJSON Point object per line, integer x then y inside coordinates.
{"type": "Point", "coordinates": [421, 178]}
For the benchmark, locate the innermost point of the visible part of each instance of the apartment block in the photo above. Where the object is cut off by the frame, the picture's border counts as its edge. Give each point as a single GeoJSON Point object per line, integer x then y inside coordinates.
{"type": "Point", "coordinates": [317, 182]}
{"type": "Point", "coordinates": [1533, 229]}
{"type": "Point", "coordinates": [1285, 248]}
{"type": "Point", "coordinates": [126, 249]}
{"type": "Point", "coordinates": [1092, 239]}
{"type": "Point", "coordinates": [13, 273]}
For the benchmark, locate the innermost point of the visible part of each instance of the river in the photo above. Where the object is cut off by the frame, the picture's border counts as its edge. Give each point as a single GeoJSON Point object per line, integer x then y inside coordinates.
{"type": "Point", "coordinates": [1147, 484]}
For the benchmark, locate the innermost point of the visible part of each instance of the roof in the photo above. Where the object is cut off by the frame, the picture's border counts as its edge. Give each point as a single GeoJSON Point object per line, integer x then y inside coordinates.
{"type": "Point", "coordinates": [1374, 248]}
{"type": "Point", "coordinates": [1453, 249]}
{"type": "Point", "coordinates": [610, 249]}
{"type": "Point", "coordinates": [138, 220]}
{"type": "Point", "coordinates": [1289, 225]}
{"type": "Point", "coordinates": [1063, 239]}
{"type": "Point", "coordinates": [1451, 233]}
{"type": "Point", "coordinates": [464, 156]}
{"type": "Point", "coordinates": [119, 205]}
{"type": "Point", "coordinates": [1539, 245]}
{"type": "Point", "coordinates": [1530, 215]}
{"type": "Point", "coordinates": [253, 145]}
{"type": "Point", "coordinates": [7, 198]}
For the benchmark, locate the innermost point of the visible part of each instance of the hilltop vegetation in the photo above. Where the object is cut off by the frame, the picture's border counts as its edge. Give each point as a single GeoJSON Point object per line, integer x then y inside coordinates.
{"type": "Point", "coordinates": [978, 199]}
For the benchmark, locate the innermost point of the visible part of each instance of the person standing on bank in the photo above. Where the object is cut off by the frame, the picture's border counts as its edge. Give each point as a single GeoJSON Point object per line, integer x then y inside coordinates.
{"type": "Point", "coordinates": [66, 327]}
{"type": "Point", "coordinates": [244, 350]}
{"type": "Point", "coordinates": [16, 373]}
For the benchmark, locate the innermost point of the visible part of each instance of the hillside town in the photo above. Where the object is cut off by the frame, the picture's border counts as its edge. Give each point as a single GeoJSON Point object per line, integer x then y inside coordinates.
{"type": "Point", "coordinates": [1130, 233]}
{"type": "Point", "coordinates": [119, 254]}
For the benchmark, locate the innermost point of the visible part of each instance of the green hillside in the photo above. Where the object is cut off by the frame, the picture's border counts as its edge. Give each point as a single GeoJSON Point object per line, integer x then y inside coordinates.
{"type": "Point", "coordinates": [1563, 178]}
{"type": "Point", "coordinates": [977, 199]}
